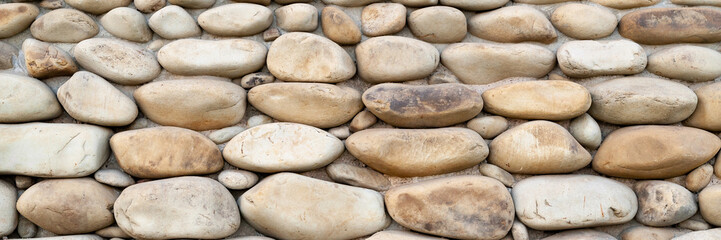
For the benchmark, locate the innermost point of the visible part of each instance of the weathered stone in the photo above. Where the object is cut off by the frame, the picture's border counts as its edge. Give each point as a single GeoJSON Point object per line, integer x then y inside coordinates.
{"type": "Point", "coordinates": [26, 99]}
{"type": "Point", "coordinates": [16, 17]}
{"type": "Point", "coordinates": [662, 203]}
{"type": "Point", "coordinates": [581, 234]}
{"type": "Point", "coordinates": [689, 63]}
{"type": "Point", "coordinates": [716, 3]}
{"type": "Point", "coordinates": [400, 235]}
{"type": "Point", "coordinates": [236, 19]}
{"type": "Point", "coordinates": [51, 4]}
{"type": "Point", "coordinates": [237, 179]}
{"type": "Point", "coordinates": [339, 27]}
{"type": "Point", "coordinates": [438, 24]}
{"type": "Point", "coordinates": [64, 25]}
{"type": "Point", "coordinates": [541, 1]}
{"type": "Point", "coordinates": [149, 6]}
{"type": "Point", "coordinates": [473, 5]}
{"type": "Point", "coordinates": [519, 231]}
{"type": "Point", "coordinates": [128, 24]}
{"type": "Point", "coordinates": [708, 107]}
{"type": "Point", "coordinates": [581, 21]}
{"type": "Point", "coordinates": [112, 232]}
{"type": "Point", "coordinates": [255, 79]}
{"type": "Point", "coordinates": [225, 58]}
{"type": "Point", "coordinates": [548, 99]}
{"type": "Point", "coordinates": [488, 127]}
{"type": "Point", "coordinates": [513, 24]}
{"type": "Point", "coordinates": [418, 152]}
{"type": "Point", "coordinates": [173, 22]}
{"type": "Point", "coordinates": [193, 3]}
{"type": "Point", "coordinates": [493, 171]}
{"type": "Point", "coordinates": [97, 7]}
{"type": "Point", "coordinates": [380, 19]}
{"type": "Point", "coordinates": [117, 60]}
{"type": "Point", "coordinates": [653, 152]}
{"type": "Point", "coordinates": [462, 207]}
{"type": "Point", "coordinates": [646, 233]}
{"type": "Point", "coordinates": [350, 3]}
{"type": "Point", "coordinates": [395, 59]}
{"type": "Point", "coordinates": [8, 214]}
{"type": "Point", "coordinates": [7, 54]}
{"type": "Point", "coordinates": [44, 60]}
{"type": "Point", "coordinates": [224, 135]}
{"type": "Point", "coordinates": [42, 236]}
{"type": "Point", "coordinates": [625, 4]}
{"type": "Point", "coordinates": [23, 182]}
{"type": "Point", "coordinates": [589, 58]}
{"type": "Point", "coordinates": [306, 57]}
{"type": "Point", "coordinates": [586, 131]}
{"type": "Point", "coordinates": [297, 17]}
{"type": "Point", "coordinates": [358, 176]}
{"type": "Point", "coordinates": [672, 25]}
{"type": "Point", "coordinates": [262, 2]}
{"type": "Point", "coordinates": [712, 234]}
{"type": "Point", "coordinates": [416, 3]}
{"type": "Point", "coordinates": [699, 178]}
{"type": "Point", "coordinates": [89, 98]}
{"type": "Point", "coordinates": [113, 177]}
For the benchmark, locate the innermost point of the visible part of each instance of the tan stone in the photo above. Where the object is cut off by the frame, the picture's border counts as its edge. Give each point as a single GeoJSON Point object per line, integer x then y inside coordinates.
{"type": "Point", "coordinates": [581, 234]}
{"type": "Point", "coordinates": [296, 17]}
{"type": "Point", "coordinates": [339, 27]}
{"type": "Point", "coordinates": [473, 5]}
{"type": "Point", "coordinates": [173, 22]}
{"type": "Point", "coordinates": [711, 234]}
{"type": "Point", "coordinates": [689, 63]}
{"type": "Point", "coordinates": [512, 24]}
{"type": "Point", "coordinates": [97, 6]}
{"type": "Point", "coordinates": [236, 19]}
{"type": "Point", "coordinates": [625, 4]}
{"type": "Point", "coordinates": [395, 59]}
{"type": "Point", "coordinates": [589, 58]}
{"type": "Point", "coordinates": [230, 58]}
{"type": "Point", "coordinates": [416, 3]}
{"type": "Point", "coordinates": [44, 60]}
{"type": "Point", "coordinates": [113, 177]}
{"type": "Point", "coordinates": [350, 3]}
{"type": "Point", "coordinates": [707, 109]}
{"type": "Point", "coordinates": [112, 232]}
{"type": "Point", "coordinates": [193, 3]}
{"type": "Point", "coordinates": [489, 126]}
{"type": "Point", "coordinates": [438, 24]}
{"type": "Point", "coordinates": [380, 19]}
{"type": "Point", "coordinates": [400, 235]}
{"type": "Point", "coordinates": [357, 176]}
{"type": "Point", "coordinates": [699, 178]}
{"type": "Point", "coordinates": [65, 26]}
{"type": "Point", "coordinates": [255, 79]}
{"type": "Point", "coordinates": [694, 225]}
{"type": "Point", "coordinates": [646, 233]}
{"type": "Point", "coordinates": [127, 23]}
{"type": "Point", "coordinates": [306, 57]}
{"type": "Point", "coordinates": [581, 21]}
{"type": "Point", "coordinates": [149, 6]}
{"type": "Point", "coordinates": [672, 25]}
{"type": "Point", "coordinates": [493, 171]}
{"type": "Point", "coordinates": [116, 60]}
{"type": "Point", "coordinates": [709, 204]}
{"type": "Point", "coordinates": [263, 2]}
{"type": "Point", "coordinates": [26, 99]}
{"type": "Point", "coordinates": [716, 3]}
{"type": "Point", "coordinates": [586, 131]}
{"type": "Point", "coordinates": [548, 99]}
{"type": "Point", "coordinates": [662, 203]}
{"type": "Point", "coordinates": [16, 17]}
{"type": "Point", "coordinates": [7, 53]}
{"type": "Point", "coordinates": [89, 98]}
{"type": "Point", "coordinates": [362, 120]}
{"type": "Point", "coordinates": [235, 179]}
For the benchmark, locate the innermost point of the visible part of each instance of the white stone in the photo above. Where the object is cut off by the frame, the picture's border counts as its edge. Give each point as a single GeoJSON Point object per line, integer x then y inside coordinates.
{"type": "Point", "coordinates": [173, 22]}
{"type": "Point", "coordinates": [117, 60]}
{"type": "Point", "coordinates": [589, 58]}
{"type": "Point", "coordinates": [8, 214]}
{"type": "Point", "coordinates": [305, 57]}
{"type": "Point", "coordinates": [224, 135]}
{"type": "Point", "coordinates": [237, 179]}
{"type": "Point", "coordinates": [89, 98]}
{"type": "Point", "coordinates": [224, 58]}
{"type": "Point", "coordinates": [26, 99]}
{"type": "Point", "coordinates": [236, 19]}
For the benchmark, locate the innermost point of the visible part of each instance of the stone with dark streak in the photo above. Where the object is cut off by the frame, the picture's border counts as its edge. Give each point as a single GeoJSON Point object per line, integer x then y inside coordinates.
{"type": "Point", "coordinates": [663, 203]}
{"type": "Point", "coordinates": [672, 25]}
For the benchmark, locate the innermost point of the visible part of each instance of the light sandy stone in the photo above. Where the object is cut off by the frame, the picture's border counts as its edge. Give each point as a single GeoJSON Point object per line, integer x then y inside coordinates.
{"type": "Point", "coordinates": [116, 60]}
{"type": "Point", "coordinates": [400, 235]}
{"type": "Point", "coordinates": [438, 24]}
{"type": "Point", "coordinates": [539, 207]}
{"type": "Point", "coordinates": [278, 147]}
{"type": "Point", "coordinates": [395, 59]}
{"type": "Point", "coordinates": [350, 3]}
{"type": "Point", "coordinates": [513, 24]}
{"type": "Point", "coordinates": [582, 21]}
{"type": "Point", "coordinates": [699, 178]}
{"type": "Point", "coordinates": [547, 148]}
{"type": "Point", "coordinates": [128, 24]}
{"type": "Point", "coordinates": [263, 2]}
{"type": "Point", "coordinates": [289, 1]}
{"type": "Point", "coordinates": [113, 177]}
{"type": "Point", "coordinates": [341, 132]}
{"type": "Point", "coordinates": [362, 120]}
{"type": "Point", "coordinates": [461, 207]}
{"type": "Point", "coordinates": [43, 60]}
{"type": "Point", "coordinates": [646, 233]}
{"type": "Point", "coordinates": [112, 232]}
{"type": "Point", "coordinates": [316, 104]}
{"type": "Point", "coordinates": [489, 126]}
{"type": "Point", "coordinates": [380, 19]}
{"type": "Point", "coordinates": [16, 18]}
{"type": "Point", "coordinates": [251, 238]}
{"type": "Point", "coordinates": [89, 98]}
{"type": "Point", "coordinates": [51, 4]}
{"type": "Point", "coordinates": [484, 63]}
{"type": "Point", "coordinates": [653, 152]}
{"type": "Point", "coordinates": [26, 228]}
{"type": "Point", "coordinates": [640, 100]}
{"type": "Point", "coordinates": [694, 225]}
{"type": "Point", "coordinates": [655, 26]}
{"type": "Point", "coordinates": [288, 205]}
{"type": "Point", "coordinates": [8, 214]}
{"type": "Point", "coordinates": [519, 231]}
{"type": "Point", "coordinates": [224, 135]}
{"type": "Point", "coordinates": [495, 172]}
{"type": "Point", "coordinates": [237, 179]}
{"type": "Point", "coordinates": [197, 104]}
{"type": "Point", "coordinates": [7, 54]}
{"type": "Point", "coordinates": [581, 234]}
{"type": "Point", "coordinates": [230, 58]}
{"type": "Point", "coordinates": [707, 109]}
{"type": "Point", "coordinates": [258, 120]}
{"type": "Point", "coordinates": [357, 176]}
{"type": "Point", "coordinates": [193, 4]}
{"type": "Point", "coordinates": [662, 203]}
{"type": "Point", "coordinates": [625, 4]}
{"type": "Point", "coordinates": [97, 6]}
{"type": "Point", "coordinates": [65, 26]}
{"type": "Point", "coordinates": [297, 17]}
{"type": "Point", "coordinates": [689, 63]}
{"type": "Point", "coordinates": [255, 79]}
{"type": "Point", "coordinates": [416, 3]}
{"type": "Point", "coordinates": [589, 58]}
{"type": "Point", "coordinates": [716, 3]}
{"type": "Point", "coordinates": [151, 210]}
{"type": "Point", "coordinates": [711, 234]}
{"type": "Point", "coordinates": [149, 6]}
{"type": "Point", "coordinates": [586, 131]}
{"type": "Point", "coordinates": [474, 5]}
{"type": "Point", "coordinates": [306, 57]}
{"type": "Point", "coordinates": [236, 19]}
{"type": "Point", "coordinates": [173, 22]}
{"type": "Point", "coordinates": [548, 99]}
{"type": "Point", "coordinates": [339, 27]}
{"type": "Point", "coordinates": [41, 231]}
{"type": "Point", "coordinates": [68, 206]}
{"type": "Point", "coordinates": [709, 204]}
{"type": "Point", "coordinates": [26, 99]}
{"type": "Point", "coordinates": [418, 152]}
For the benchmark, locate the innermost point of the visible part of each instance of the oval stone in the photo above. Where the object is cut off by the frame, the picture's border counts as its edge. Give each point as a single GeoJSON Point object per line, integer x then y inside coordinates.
{"type": "Point", "coordinates": [68, 206]}
{"type": "Point", "coordinates": [97, 7]}
{"type": "Point", "coordinates": [416, 3]}
{"type": "Point", "coordinates": [43, 60]}
{"type": "Point", "coordinates": [640, 100]}
{"type": "Point", "coordinates": [128, 24]}
{"type": "Point", "coordinates": [708, 201]}
{"type": "Point", "coordinates": [625, 4]}
{"type": "Point", "coordinates": [547, 148]}
{"type": "Point", "coordinates": [716, 3]}
{"type": "Point", "coordinates": [654, 152]}
{"type": "Point", "coordinates": [236, 19]}
{"type": "Point", "coordinates": [689, 63]}
{"type": "Point", "coordinates": [193, 4]}
{"type": "Point", "coordinates": [64, 25]}
{"type": "Point", "coordinates": [395, 59]}
{"type": "Point", "coordinates": [418, 152]}
{"type": "Point", "coordinates": [292, 206]}
{"type": "Point", "coordinates": [588, 201]}
{"type": "Point", "coordinates": [484, 63]}
{"type": "Point", "coordinates": [400, 235]}
{"type": "Point", "coordinates": [580, 234]}
{"type": "Point", "coordinates": [702, 234]}
{"type": "Point", "coordinates": [705, 116]}
{"type": "Point", "coordinates": [174, 22]}
{"type": "Point", "coordinates": [380, 19]}
{"type": "Point", "coordinates": [550, 100]}
{"type": "Point", "coordinates": [350, 3]}
{"type": "Point", "coordinates": [338, 26]}
{"type": "Point", "coordinates": [279, 147]}
{"type": "Point", "coordinates": [225, 58]}
{"type": "Point", "coordinates": [52, 150]}
{"type": "Point", "coordinates": [474, 5]}
{"type": "Point", "coordinates": [297, 17]}
{"type": "Point", "coordinates": [152, 210]}
{"type": "Point", "coordinates": [513, 24]}
{"type": "Point", "coordinates": [316, 104]}
{"type": "Point", "coordinates": [662, 203]}
{"type": "Point", "coordinates": [26, 99]}
{"type": "Point", "coordinates": [89, 98]}
{"type": "Point", "coordinates": [421, 106]}
{"type": "Point", "coordinates": [16, 17]}
{"type": "Point", "coordinates": [589, 58]}
{"type": "Point", "coordinates": [438, 24]}
{"type": "Point", "coordinates": [196, 104]}
{"type": "Point", "coordinates": [581, 21]}
{"type": "Point", "coordinates": [8, 213]}
{"type": "Point", "coordinates": [672, 25]}
{"type": "Point", "coordinates": [117, 60]}
{"type": "Point", "coordinates": [306, 57]}
{"type": "Point", "coordinates": [461, 207]}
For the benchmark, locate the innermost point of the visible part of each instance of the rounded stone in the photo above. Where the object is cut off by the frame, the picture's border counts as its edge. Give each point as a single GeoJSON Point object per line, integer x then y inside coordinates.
{"type": "Point", "coordinates": [43, 60]}
{"type": "Point", "coordinates": [26, 228]}
{"type": "Point", "coordinates": [65, 26]}
{"type": "Point", "coordinates": [438, 24]}
{"type": "Point", "coordinates": [416, 3]}
{"type": "Point", "coordinates": [699, 178]}
{"type": "Point", "coordinates": [708, 107]}
{"type": "Point", "coordinates": [116, 60]}
{"type": "Point", "coordinates": [89, 98]}
{"type": "Point", "coordinates": [581, 21]}
{"type": "Point", "coordinates": [237, 179]}
{"type": "Point", "coordinates": [626, 4]}
{"type": "Point", "coordinates": [688, 63]}
{"type": "Point", "coordinates": [97, 6]}
{"type": "Point", "coordinates": [16, 18]}
{"type": "Point", "coordinates": [113, 177]}
{"type": "Point", "coordinates": [26, 99]}
{"type": "Point", "coordinates": [709, 204]}
{"type": "Point", "coordinates": [495, 172]}
{"type": "Point", "coordinates": [258, 120]}
{"type": "Point", "coordinates": [662, 203]}
{"type": "Point", "coordinates": [488, 127]}
{"type": "Point", "coordinates": [474, 5]}
{"type": "Point", "coordinates": [672, 25]}
{"type": "Point", "coordinates": [586, 131]}
{"type": "Point", "coordinates": [548, 99]}
{"type": "Point", "coordinates": [236, 19]}
{"type": "Point", "coordinates": [297, 17]}
{"type": "Point", "coordinates": [646, 233]}
{"type": "Point", "coordinates": [380, 19]}
{"type": "Point", "coordinates": [697, 2]}
{"type": "Point", "coordinates": [306, 57]}
{"type": "Point", "coordinates": [588, 58]}
{"type": "Point", "coordinates": [127, 23]}
{"type": "Point", "coordinates": [357, 176]}
{"type": "Point", "coordinates": [395, 59]}
{"type": "Point", "coordinates": [581, 234]}
{"type": "Point", "coordinates": [112, 232]}
{"type": "Point", "coordinates": [8, 213]}
{"type": "Point", "coordinates": [339, 27]}
{"type": "Point", "coordinates": [230, 58]}
{"type": "Point", "coordinates": [350, 3]}
{"type": "Point", "coordinates": [513, 24]}
{"type": "Point", "coordinates": [224, 135]}
{"type": "Point", "coordinates": [711, 234]}
{"type": "Point", "coordinates": [173, 22]}
{"type": "Point", "coordinates": [149, 6]}
{"type": "Point", "coordinates": [362, 120]}
{"type": "Point", "coordinates": [193, 4]}
{"type": "Point", "coordinates": [255, 79]}
{"type": "Point", "coordinates": [400, 235]}
{"type": "Point", "coordinates": [7, 54]}
{"type": "Point", "coordinates": [341, 132]}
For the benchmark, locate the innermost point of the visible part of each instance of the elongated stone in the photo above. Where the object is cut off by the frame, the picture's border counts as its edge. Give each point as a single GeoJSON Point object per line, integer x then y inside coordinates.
{"type": "Point", "coordinates": [394, 59]}
{"type": "Point", "coordinates": [306, 57]}
{"type": "Point", "coordinates": [550, 100]}
{"type": "Point", "coordinates": [672, 25]}
{"type": "Point", "coordinates": [26, 99]}
{"type": "Point", "coordinates": [225, 58]}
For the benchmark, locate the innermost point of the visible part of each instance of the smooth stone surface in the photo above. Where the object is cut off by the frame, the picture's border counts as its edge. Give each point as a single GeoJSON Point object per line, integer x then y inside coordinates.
{"type": "Point", "coordinates": [708, 107]}
{"type": "Point", "coordinates": [513, 24]}
{"type": "Point", "coordinates": [586, 131]}
{"type": "Point", "coordinates": [697, 2]}
{"type": "Point", "coordinates": [236, 19]}
{"type": "Point", "coordinates": [193, 3]}
{"type": "Point", "coordinates": [43, 60]}
{"type": "Point", "coordinates": [258, 120]}
{"type": "Point", "coordinates": [7, 53]}
{"type": "Point", "coordinates": [541, 1]}
{"type": "Point", "coordinates": [474, 5]}
{"type": "Point", "coordinates": [288, 205]}
{"type": "Point", "coordinates": [225, 58]}
{"type": "Point", "coordinates": [68, 206]}
{"type": "Point", "coordinates": [418, 152]}
{"type": "Point", "coordinates": [689, 63]}
{"type": "Point", "coordinates": [463, 207]}
{"type": "Point", "coordinates": [519, 231]}
{"type": "Point", "coordinates": [162, 152]}
{"type": "Point", "coordinates": [694, 225]}
{"type": "Point", "coordinates": [53, 150]}
{"type": "Point", "coordinates": [709, 204]}
{"type": "Point", "coordinates": [548, 99]}
{"type": "Point", "coordinates": [582, 234]}
{"type": "Point", "coordinates": [339, 27]}
{"type": "Point", "coordinates": [587, 58]}
{"type": "Point", "coordinates": [410, 106]}
{"type": "Point", "coordinates": [400, 235]}
{"type": "Point", "coordinates": [654, 152]}
{"type": "Point", "coordinates": [672, 25]}
{"type": "Point", "coordinates": [97, 6]}
{"type": "Point", "coordinates": [224, 135]}
{"type": "Point", "coordinates": [297, 17]}
{"type": "Point", "coordinates": [495, 172]}
{"type": "Point", "coordinates": [699, 178]}
{"type": "Point", "coordinates": [26, 99]}
{"type": "Point", "coordinates": [128, 24]}
{"type": "Point", "coordinates": [16, 18]}
{"type": "Point", "coordinates": [236, 179]}
{"type": "Point", "coordinates": [711, 234]}
{"type": "Point", "coordinates": [662, 203]}
{"type": "Point", "coordinates": [255, 79]}
{"type": "Point", "coordinates": [113, 177]}
{"type": "Point", "coordinates": [547, 148]}
{"type": "Point", "coordinates": [196, 104]}
{"type": "Point", "coordinates": [416, 3]}
{"type": "Point", "coordinates": [539, 207]}
{"type": "Point", "coordinates": [64, 25]}
{"type": "Point", "coordinates": [484, 63]}
{"type": "Point", "coordinates": [489, 126]}
{"type": "Point", "coordinates": [173, 22]}
{"type": "Point", "coordinates": [438, 24]}
{"type": "Point", "coordinates": [581, 21]}
{"type": "Point", "coordinates": [316, 104]}
{"type": "Point", "coordinates": [26, 228]}
{"type": "Point", "coordinates": [23, 182]}
{"type": "Point", "coordinates": [306, 57]}
{"type": "Point", "coordinates": [341, 132]}
{"type": "Point", "coordinates": [151, 210]}
{"type": "Point", "coordinates": [395, 59]}
{"type": "Point", "coordinates": [8, 213]}
{"type": "Point", "coordinates": [278, 147]}
{"type": "Point", "coordinates": [380, 19]}
{"type": "Point", "coordinates": [357, 176]}
{"type": "Point", "coordinates": [117, 60]}
{"type": "Point", "coordinates": [362, 120]}
{"type": "Point", "coordinates": [149, 6]}
{"type": "Point", "coordinates": [104, 105]}
{"type": "Point", "coordinates": [350, 3]}
{"type": "Point", "coordinates": [626, 4]}
{"type": "Point", "coordinates": [112, 232]}
{"type": "Point", "coordinates": [646, 233]}
{"type": "Point", "coordinates": [641, 100]}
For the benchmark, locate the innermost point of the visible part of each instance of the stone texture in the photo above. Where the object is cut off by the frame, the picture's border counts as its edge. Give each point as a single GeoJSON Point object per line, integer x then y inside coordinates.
{"type": "Point", "coordinates": [173, 22]}
{"type": "Point", "coordinates": [224, 135]}
{"type": "Point", "coordinates": [541, 1]}
{"type": "Point", "coordinates": [551, 100]}
{"type": "Point", "coordinates": [699, 178]}
{"type": "Point", "coordinates": [495, 172]}
{"type": "Point", "coordinates": [16, 18]}
{"type": "Point", "coordinates": [672, 25]}
{"type": "Point", "coordinates": [7, 53]}
{"type": "Point", "coordinates": [647, 233]}
{"type": "Point", "coordinates": [689, 63]}
{"type": "Point", "coordinates": [357, 176]}
{"type": "Point", "coordinates": [709, 204]}
{"type": "Point", "coordinates": [8, 214]}
{"type": "Point", "coordinates": [149, 6]}
{"type": "Point", "coordinates": [237, 179]}
{"type": "Point", "coordinates": [89, 98]}
{"type": "Point", "coordinates": [416, 3]}
{"type": "Point", "coordinates": [128, 24]}
{"type": "Point", "coordinates": [117, 60]}
{"type": "Point", "coordinates": [513, 24]}
{"type": "Point", "coordinates": [65, 26]}
{"type": "Point", "coordinates": [236, 19]}
{"type": "Point", "coordinates": [193, 3]}
{"type": "Point", "coordinates": [258, 120]}
{"type": "Point", "coordinates": [380, 19]}
{"type": "Point", "coordinates": [395, 59]}
{"type": "Point", "coordinates": [225, 58]}
{"type": "Point", "coordinates": [662, 203]}
{"type": "Point", "coordinates": [438, 24]}
{"type": "Point", "coordinates": [711, 234]}
{"type": "Point", "coordinates": [26, 228]}
{"type": "Point", "coordinates": [473, 5]}
{"type": "Point", "coordinates": [697, 2]}
{"type": "Point", "coordinates": [489, 126]}
{"type": "Point", "coordinates": [97, 6]}
{"type": "Point", "coordinates": [112, 232]}
{"type": "Point", "coordinates": [113, 177]}
{"type": "Point", "coordinates": [341, 132]}
{"type": "Point", "coordinates": [255, 79]}
{"type": "Point", "coordinates": [43, 60]}
{"type": "Point", "coordinates": [305, 57]}
{"type": "Point", "coordinates": [339, 27]}
{"type": "Point", "coordinates": [586, 131]}
{"type": "Point", "coordinates": [582, 234]}
{"type": "Point", "coordinates": [626, 4]}
{"type": "Point", "coordinates": [694, 225]}
{"type": "Point", "coordinates": [350, 3]}
{"type": "Point", "coordinates": [26, 99]}
{"type": "Point", "coordinates": [297, 17]}
{"type": "Point", "coordinates": [708, 107]}
{"type": "Point", "coordinates": [581, 21]}
{"type": "Point", "coordinates": [362, 120]}
{"type": "Point", "coordinates": [589, 58]}
{"type": "Point", "coordinates": [400, 235]}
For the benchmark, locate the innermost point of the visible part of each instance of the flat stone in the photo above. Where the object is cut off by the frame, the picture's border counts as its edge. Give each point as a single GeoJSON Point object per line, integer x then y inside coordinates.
{"type": "Point", "coordinates": [640, 100]}
{"type": "Point", "coordinates": [489, 126]}
{"type": "Point", "coordinates": [350, 3]}
{"type": "Point", "coordinates": [548, 99]}
{"type": "Point", "coordinates": [236, 19]}
{"type": "Point", "coordinates": [43, 60]}
{"type": "Point", "coordinates": [581, 21]}
{"type": "Point", "coordinates": [418, 152]}
{"type": "Point", "coordinates": [339, 27]}
{"type": "Point", "coordinates": [395, 59]}
{"type": "Point", "coordinates": [495, 172]}
{"type": "Point", "coordinates": [699, 178]}
{"type": "Point", "coordinates": [547, 148]}
{"type": "Point", "coordinates": [512, 24]}
{"type": "Point", "coordinates": [589, 58]}
{"type": "Point", "coordinates": [581, 234]}
{"type": "Point", "coordinates": [288, 205]}
{"type": "Point", "coordinates": [151, 210]}
{"type": "Point", "coordinates": [89, 98]}
{"type": "Point", "coordinates": [626, 4]}
{"type": "Point", "coordinates": [400, 235]}
{"type": "Point", "coordinates": [128, 24]}
{"type": "Point", "coordinates": [380, 19]}
{"type": "Point", "coordinates": [258, 120]}
{"type": "Point", "coordinates": [586, 131]}
{"type": "Point", "coordinates": [484, 63]}
{"type": "Point", "coordinates": [69, 237]}
{"type": "Point", "coordinates": [306, 57]}
{"type": "Point", "coordinates": [416, 3]}
{"type": "Point", "coordinates": [112, 232]}
{"type": "Point", "coordinates": [7, 54]}
{"type": "Point", "coordinates": [26, 99]}
{"type": "Point", "coordinates": [224, 58]}
{"type": "Point", "coordinates": [662, 203]}
{"type": "Point", "coordinates": [116, 60]}
{"type": "Point", "coordinates": [97, 7]}
{"type": "Point", "coordinates": [197, 104]}
{"type": "Point", "coordinates": [708, 201]}
{"type": "Point", "coordinates": [646, 233]}
{"type": "Point", "coordinates": [113, 177]}
{"type": "Point", "coordinates": [64, 25]}
{"type": "Point", "coordinates": [193, 4]}
{"type": "Point", "coordinates": [68, 206]}
{"type": "Point", "coordinates": [694, 225]}
{"type": "Point", "coordinates": [410, 106]}
{"type": "Point", "coordinates": [271, 34]}
{"type": "Point", "coordinates": [689, 63]}
{"type": "Point", "coordinates": [362, 120]}
{"type": "Point", "coordinates": [224, 135]}
{"type": "Point", "coordinates": [473, 5]}
{"type": "Point", "coordinates": [262, 2]}
{"type": "Point", "coordinates": [708, 107]}
{"type": "Point", "coordinates": [16, 18]}
{"type": "Point", "coordinates": [462, 207]}
{"type": "Point", "coordinates": [672, 25]}
{"type": "Point", "coordinates": [149, 6]}
{"type": "Point", "coordinates": [297, 17]}
{"type": "Point", "coordinates": [711, 234]}
{"type": "Point", "coordinates": [654, 152]}
{"type": "Point", "coordinates": [162, 152]}
{"type": "Point", "coordinates": [357, 176]}
{"type": "Point", "coordinates": [316, 104]}
{"type": "Point", "coordinates": [438, 24]}
{"type": "Point", "coordinates": [173, 22]}
{"type": "Point", "coordinates": [341, 132]}
{"type": "Point", "coordinates": [255, 79]}
{"type": "Point", "coordinates": [8, 214]}
{"type": "Point", "coordinates": [237, 179]}
{"type": "Point", "coordinates": [697, 2]}
{"type": "Point", "coordinates": [278, 147]}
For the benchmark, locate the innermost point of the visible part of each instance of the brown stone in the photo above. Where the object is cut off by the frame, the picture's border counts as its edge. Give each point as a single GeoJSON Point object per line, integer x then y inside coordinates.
{"type": "Point", "coordinates": [550, 100]}
{"type": "Point", "coordinates": [16, 17]}
{"type": "Point", "coordinates": [705, 116]}
{"type": "Point", "coordinates": [513, 24]}
{"type": "Point", "coordinates": [44, 60]}
{"type": "Point", "coordinates": [699, 178]}
{"type": "Point", "coordinates": [672, 25]}
{"type": "Point", "coordinates": [339, 27]}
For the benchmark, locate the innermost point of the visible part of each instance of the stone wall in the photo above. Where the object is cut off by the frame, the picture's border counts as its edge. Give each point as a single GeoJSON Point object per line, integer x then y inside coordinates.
{"type": "Point", "coordinates": [360, 119]}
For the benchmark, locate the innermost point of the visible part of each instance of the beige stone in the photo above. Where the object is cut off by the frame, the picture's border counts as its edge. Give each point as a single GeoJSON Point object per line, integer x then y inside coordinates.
{"type": "Point", "coordinates": [230, 58]}
{"type": "Point", "coordinates": [439, 24]}
{"type": "Point", "coordinates": [65, 26]}
{"type": "Point", "coordinates": [193, 3]}
{"type": "Point", "coordinates": [113, 177]}
{"type": "Point", "coordinates": [512, 24]}
{"type": "Point", "coordinates": [26, 99]}
{"type": "Point", "coordinates": [297, 17]}
{"type": "Point", "coordinates": [339, 27]}
{"type": "Point", "coordinates": [416, 3]}
{"type": "Point", "coordinates": [699, 178]}
{"type": "Point", "coordinates": [8, 213]}
{"type": "Point", "coordinates": [672, 25]}
{"type": "Point", "coordinates": [173, 22]}
{"type": "Point", "coordinates": [589, 58]}
{"type": "Point", "coordinates": [581, 21]}
{"type": "Point", "coordinates": [97, 6]}
{"type": "Point", "coordinates": [473, 5]}
{"type": "Point", "coordinates": [16, 18]}
{"type": "Point", "coordinates": [711, 234]}
{"type": "Point", "coordinates": [350, 3]}
{"type": "Point", "coordinates": [625, 4]}
{"type": "Point", "coordinates": [489, 126]}
{"type": "Point", "coordinates": [548, 99]}
{"type": "Point", "coordinates": [44, 60]}
{"type": "Point", "coordinates": [697, 2]}
{"type": "Point", "coordinates": [112, 232]}
{"type": "Point", "coordinates": [586, 131]}
{"type": "Point", "coordinates": [709, 204]}
{"type": "Point", "coordinates": [127, 23]}
{"type": "Point", "coordinates": [237, 179]}
{"type": "Point", "coordinates": [149, 6]}
{"type": "Point", "coordinates": [704, 116]}
{"type": "Point", "coordinates": [362, 120]}
{"type": "Point", "coordinates": [694, 225]}
{"type": "Point", "coordinates": [400, 235]}
{"type": "Point", "coordinates": [395, 59]}
{"type": "Point", "coordinates": [662, 203]}
{"type": "Point", "coordinates": [263, 2]}
{"type": "Point", "coordinates": [306, 57]}
{"type": "Point", "coordinates": [357, 176]}
{"type": "Point", "coordinates": [7, 54]}
{"type": "Point", "coordinates": [689, 63]}
{"type": "Point", "coordinates": [116, 60]}
{"type": "Point", "coordinates": [380, 19]}
{"type": "Point", "coordinates": [236, 19]}
{"type": "Point", "coordinates": [646, 233]}
{"type": "Point", "coordinates": [224, 135]}
{"type": "Point", "coordinates": [495, 172]}
{"type": "Point", "coordinates": [89, 98]}
{"type": "Point", "coordinates": [255, 79]}
{"type": "Point", "coordinates": [581, 234]}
